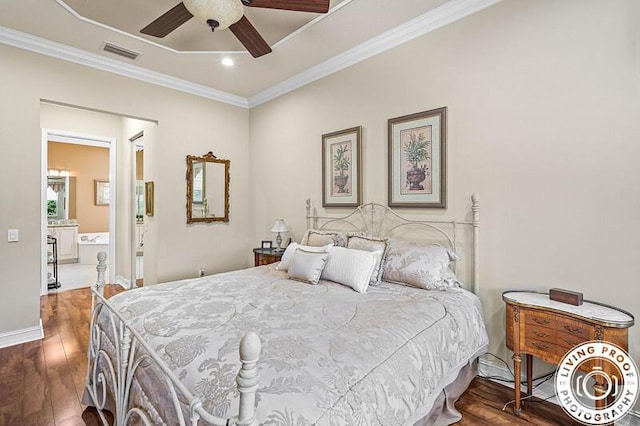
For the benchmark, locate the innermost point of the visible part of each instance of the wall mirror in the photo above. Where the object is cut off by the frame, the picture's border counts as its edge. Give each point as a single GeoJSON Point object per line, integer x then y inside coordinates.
{"type": "Point", "coordinates": [207, 189]}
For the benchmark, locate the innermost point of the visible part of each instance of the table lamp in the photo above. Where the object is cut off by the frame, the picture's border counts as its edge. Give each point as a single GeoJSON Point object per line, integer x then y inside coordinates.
{"type": "Point", "coordinates": [279, 226]}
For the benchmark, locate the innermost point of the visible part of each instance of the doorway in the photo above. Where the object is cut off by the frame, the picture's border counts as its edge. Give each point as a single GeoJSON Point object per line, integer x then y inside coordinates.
{"type": "Point", "coordinates": [138, 223]}
{"type": "Point", "coordinates": [59, 211]}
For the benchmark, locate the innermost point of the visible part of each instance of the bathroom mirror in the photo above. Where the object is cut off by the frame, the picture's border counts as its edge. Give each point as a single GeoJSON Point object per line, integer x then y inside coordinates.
{"type": "Point", "coordinates": [207, 189]}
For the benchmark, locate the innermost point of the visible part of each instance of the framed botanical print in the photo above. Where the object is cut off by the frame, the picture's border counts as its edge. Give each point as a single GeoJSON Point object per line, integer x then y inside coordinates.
{"type": "Point", "coordinates": [417, 159]}
{"type": "Point", "coordinates": [341, 168]}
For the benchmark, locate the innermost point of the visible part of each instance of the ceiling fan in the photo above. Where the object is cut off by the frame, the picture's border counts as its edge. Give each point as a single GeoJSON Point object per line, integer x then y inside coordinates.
{"type": "Point", "coordinates": [221, 14]}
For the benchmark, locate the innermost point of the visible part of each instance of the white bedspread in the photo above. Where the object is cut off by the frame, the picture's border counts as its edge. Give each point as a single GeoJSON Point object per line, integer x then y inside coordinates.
{"type": "Point", "coordinates": [330, 356]}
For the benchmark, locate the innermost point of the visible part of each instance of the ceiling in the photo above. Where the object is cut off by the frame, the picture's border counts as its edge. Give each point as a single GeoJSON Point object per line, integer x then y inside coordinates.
{"type": "Point", "coordinates": [301, 41]}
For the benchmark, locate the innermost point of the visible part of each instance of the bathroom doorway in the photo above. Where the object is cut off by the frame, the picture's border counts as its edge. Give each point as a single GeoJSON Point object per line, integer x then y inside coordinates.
{"type": "Point", "coordinates": [78, 207]}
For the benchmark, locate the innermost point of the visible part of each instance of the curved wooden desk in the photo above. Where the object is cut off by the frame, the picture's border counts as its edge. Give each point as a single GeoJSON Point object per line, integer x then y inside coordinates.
{"type": "Point", "coordinates": [538, 326]}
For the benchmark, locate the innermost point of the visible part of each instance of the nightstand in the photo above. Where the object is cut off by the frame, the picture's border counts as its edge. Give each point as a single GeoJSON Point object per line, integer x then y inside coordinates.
{"type": "Point", "coordinates": [538, 326]}
{"type": "Point", "coordinates": [266, 256]}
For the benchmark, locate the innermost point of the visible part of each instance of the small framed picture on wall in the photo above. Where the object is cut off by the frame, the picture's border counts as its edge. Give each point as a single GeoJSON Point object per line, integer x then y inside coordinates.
{"type": "Point", "coordinates": [148, 198]}
{"type": "Point", "coordinates": [341, 168]}
{"type": "Point", "coordinates": [102, 192]}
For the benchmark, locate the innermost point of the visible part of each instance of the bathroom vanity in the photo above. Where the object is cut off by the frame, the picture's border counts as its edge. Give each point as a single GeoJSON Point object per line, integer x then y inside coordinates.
{"type": "Point", "coordinates": [67, 237]}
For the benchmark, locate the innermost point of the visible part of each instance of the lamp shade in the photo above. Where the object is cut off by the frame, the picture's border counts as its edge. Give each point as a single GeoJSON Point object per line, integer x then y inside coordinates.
{"type": "Point", "coordinates": [224, 12]}
{"type": "Point", "coordinates": [279, 226]}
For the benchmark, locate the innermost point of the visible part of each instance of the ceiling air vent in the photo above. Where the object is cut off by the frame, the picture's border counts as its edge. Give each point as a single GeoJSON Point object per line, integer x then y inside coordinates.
{"type": "Point", "coordinates": [120, 51]}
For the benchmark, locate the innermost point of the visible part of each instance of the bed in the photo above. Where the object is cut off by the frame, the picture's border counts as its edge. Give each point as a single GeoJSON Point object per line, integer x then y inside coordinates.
{"type": "Point", "coordinates": [308, 354]}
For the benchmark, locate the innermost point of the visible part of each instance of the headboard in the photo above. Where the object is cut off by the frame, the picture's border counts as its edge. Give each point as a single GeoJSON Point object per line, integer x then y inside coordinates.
{"type": "Point", "coordinates": [377, 220]}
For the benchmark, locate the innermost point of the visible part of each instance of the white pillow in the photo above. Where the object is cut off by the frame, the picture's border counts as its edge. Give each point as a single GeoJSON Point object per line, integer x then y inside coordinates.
{"type": "Point", "coordinates": [291, 249]}
{"type": "Point", "coordinates": [350, 267]}
{"type": "Point", "coordinates": [378, 246]}
{"type": "Point", "coordinates": [307, 266]}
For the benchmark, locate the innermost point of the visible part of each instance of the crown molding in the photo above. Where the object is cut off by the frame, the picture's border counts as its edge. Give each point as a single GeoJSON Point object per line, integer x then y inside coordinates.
{"type": "Point", "coordinates": [430, 21]}
{"type": "Point", "coordinates": [72, 11]}
{"type": "Point", "coordinates": [60, 51]}
{"type": "Point", "coordinates": [423, 24]}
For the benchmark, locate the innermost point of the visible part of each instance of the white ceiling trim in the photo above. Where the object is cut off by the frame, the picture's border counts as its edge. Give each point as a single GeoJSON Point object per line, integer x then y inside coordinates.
{"type": "Point", "coordinates": [437, 18]}
{"type": "Point", "coordinates": [60, 51]}
{"type": "Point", "coordinates": [308, 25]}
{"type": "Point", "coordinates": [430, 21]}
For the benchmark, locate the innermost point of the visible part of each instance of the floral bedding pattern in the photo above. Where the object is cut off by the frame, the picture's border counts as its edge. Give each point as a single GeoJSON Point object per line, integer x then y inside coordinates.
{"type": "Point", "coordinates": [330, 355]}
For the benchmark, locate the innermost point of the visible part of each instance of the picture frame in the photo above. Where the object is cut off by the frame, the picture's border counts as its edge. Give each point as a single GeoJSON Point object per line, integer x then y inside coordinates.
{"type": "Point", "coordinates": [266, 245]}
{"type": "Point", "coordinates": [417, 154]}
{"type": "Point", "coordinates": [342, 168]}
{"type": "Point", "coordinates": [102, 192]}
{"type": "Point", "coordinates": [148, 198]}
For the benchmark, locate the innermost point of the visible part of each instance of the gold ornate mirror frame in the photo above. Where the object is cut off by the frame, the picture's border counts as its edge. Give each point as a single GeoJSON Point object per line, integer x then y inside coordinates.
{"type": "Point", "coordinates": [197, 209]}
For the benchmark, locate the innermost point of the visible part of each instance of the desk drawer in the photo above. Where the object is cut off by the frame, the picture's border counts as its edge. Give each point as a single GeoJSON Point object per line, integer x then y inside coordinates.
{"type": "Point", "coordinates": [568, 340]}
{"type": "Point", "coordinates": [544, 334]}
{"type": "Point", "coordinates": [540, 319]}
{"type": "Point", "coordinates": [576, 328]}
{"type": "Point", "coordinates": [548, 351]}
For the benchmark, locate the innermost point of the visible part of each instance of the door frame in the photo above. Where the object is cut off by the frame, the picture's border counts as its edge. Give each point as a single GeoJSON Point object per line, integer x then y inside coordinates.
{"type": "Point", "coordinates": [78, 139]}
{"type": "Point", "coordinates": [134, 205]}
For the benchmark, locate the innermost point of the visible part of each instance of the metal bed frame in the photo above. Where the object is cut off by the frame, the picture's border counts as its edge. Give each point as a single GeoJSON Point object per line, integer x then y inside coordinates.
{"type": "Point", "coordinates": [105, 379]}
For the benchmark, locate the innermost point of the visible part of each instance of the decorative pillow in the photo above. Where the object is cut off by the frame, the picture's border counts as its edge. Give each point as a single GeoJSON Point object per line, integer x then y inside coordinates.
{"type": "Point", "coordinates": [307, 266]}
{"type": "Point", "coordinates": [350, 267]}
{"type": "Point", "coordinates": [378, 246]}
{"type": "Point", "coordinates": [418, 265]}
{"type": "Point", "coordinates": [450, 280]}
{"type": "Point", "coordinates": [317, 237]}
{"type": "Point", "coordinates": [291, 249]}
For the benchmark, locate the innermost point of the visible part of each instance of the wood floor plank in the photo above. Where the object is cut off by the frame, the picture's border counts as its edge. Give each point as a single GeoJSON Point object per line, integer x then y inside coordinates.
{"type": "Point", "coordinates": [482, 403]}
{"type": "Point", "coordinates": [36, 408]}
{"type": "Point", "coordinates": [63, 390]}
{"type": "Point", "coordinates": [11, 397]}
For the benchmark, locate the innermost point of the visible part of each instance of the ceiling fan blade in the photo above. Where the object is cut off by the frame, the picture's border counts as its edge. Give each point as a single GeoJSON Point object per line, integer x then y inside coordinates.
{"type": "Point", "coordinates": [168, 22]}
{"type": "Point", "coordinates": [250, 37]}
{"type": "Point", "coordinates": [316, 6]}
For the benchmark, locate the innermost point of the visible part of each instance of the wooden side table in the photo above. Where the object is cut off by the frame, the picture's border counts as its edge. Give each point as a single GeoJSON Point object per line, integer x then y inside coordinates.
{"type": "Point", "coordinates": [266, 256]}
{"type": "Point", "coordinates": [538, 326]}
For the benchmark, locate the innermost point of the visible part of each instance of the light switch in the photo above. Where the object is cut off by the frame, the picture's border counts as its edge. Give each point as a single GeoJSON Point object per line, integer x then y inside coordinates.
{"type": "Point", "coordinates": [12, 236]}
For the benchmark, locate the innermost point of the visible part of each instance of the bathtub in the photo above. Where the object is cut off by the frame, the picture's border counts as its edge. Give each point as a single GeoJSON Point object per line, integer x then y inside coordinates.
{"type": "Point", "coordinates": [90, 244]}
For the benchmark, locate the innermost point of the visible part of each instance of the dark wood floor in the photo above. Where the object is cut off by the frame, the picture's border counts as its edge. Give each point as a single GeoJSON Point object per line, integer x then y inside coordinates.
{"type": "Point", "coordinates": [41, 382]}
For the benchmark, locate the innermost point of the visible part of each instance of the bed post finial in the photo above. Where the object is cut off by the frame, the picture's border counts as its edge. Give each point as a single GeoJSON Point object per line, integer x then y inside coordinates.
{"type": "Point", "coordinates": [475, 208]}
{"type": "Point", "coordinates": [308, 208]}
{"type": "Point", "coordinates": [247, 379]}
{"type": "Point", "coordinates": [101, 268]}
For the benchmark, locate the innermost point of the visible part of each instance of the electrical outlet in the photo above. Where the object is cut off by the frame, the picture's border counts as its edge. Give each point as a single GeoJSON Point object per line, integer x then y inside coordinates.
{"type": "Point", "coordinates": [201, 271]}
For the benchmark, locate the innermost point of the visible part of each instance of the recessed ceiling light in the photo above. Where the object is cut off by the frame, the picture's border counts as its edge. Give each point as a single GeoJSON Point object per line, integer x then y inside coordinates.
{"type": "Point", "coordinates": [227, 62]}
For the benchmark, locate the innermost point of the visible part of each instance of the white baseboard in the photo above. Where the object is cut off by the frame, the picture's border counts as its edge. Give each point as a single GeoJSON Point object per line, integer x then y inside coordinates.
{"type": "Point", "coordinates": [25, 335]}
{"type": "Point", "coordinates": [123, 282]}
{"type": "Point", "coordinates": [488, 368]}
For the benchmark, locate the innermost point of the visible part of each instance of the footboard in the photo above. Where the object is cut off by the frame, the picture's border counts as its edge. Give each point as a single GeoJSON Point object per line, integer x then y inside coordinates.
{"type": "Point", "coordinates": [113, 363]}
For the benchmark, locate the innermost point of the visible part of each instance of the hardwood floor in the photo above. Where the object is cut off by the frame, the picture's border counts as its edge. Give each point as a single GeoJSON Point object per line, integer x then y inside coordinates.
{"type": "Point", "coordinates": [42, 382]}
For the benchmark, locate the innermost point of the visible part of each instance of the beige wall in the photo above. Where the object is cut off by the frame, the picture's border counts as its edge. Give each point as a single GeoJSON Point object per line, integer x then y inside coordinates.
{"type": "Point", "coordinates": [87, 164]}
{"type": "Point", "coordinates": [544, 115]}
{"type": "Point", "coordinates": [543, 101]}
{"type": "Point", "coordinates": [186, 125]}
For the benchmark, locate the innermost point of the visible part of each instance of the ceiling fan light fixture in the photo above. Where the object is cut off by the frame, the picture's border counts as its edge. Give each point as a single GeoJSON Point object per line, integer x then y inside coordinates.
{"type": "Point", "coordinates": [224, 12]}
